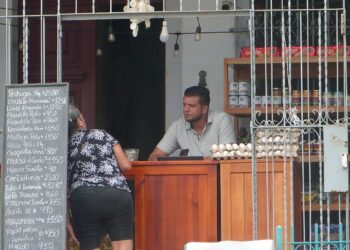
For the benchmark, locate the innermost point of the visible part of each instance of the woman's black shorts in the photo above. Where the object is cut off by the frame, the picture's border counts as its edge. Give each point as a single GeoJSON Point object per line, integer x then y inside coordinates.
{"type": "Point", "coordinates": [99, 210]}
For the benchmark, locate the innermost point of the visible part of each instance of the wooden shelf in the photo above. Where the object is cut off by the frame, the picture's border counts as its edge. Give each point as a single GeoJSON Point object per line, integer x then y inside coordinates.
{"type": "Point", "coordinates": [307, 158]}
{"type": "Point", "coordinates": [270, 109]}
{"type": "Point", "coordinates": [332, 207]}
{"type": "Point", "coordinates": [279, 60]}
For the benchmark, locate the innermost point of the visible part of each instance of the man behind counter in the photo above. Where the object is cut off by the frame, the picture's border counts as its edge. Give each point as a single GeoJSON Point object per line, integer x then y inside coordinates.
{"type": "Point", "coordinates": [199, 128]}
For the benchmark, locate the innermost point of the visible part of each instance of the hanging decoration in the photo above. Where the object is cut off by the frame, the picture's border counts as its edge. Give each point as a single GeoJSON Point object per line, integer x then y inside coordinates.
{"type": "Point", "coordinates": [133, 6]}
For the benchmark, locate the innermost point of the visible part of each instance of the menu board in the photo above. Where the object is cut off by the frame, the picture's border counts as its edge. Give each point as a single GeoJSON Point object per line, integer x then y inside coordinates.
{"type": "Point", "coordinates": [34, 172]}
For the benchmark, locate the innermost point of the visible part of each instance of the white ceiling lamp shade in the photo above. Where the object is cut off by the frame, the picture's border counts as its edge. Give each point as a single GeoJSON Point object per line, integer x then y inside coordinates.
{"type": "Point", "coordinates": [138, 6]}
{"type": "Point", "coordinates": [164, 34]}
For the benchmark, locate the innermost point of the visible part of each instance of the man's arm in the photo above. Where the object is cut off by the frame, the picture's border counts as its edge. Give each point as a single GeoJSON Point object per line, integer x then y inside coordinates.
{"type": "Point", "coordinates": [156, 152]}
{"type": "Point", "coordinates": [226, 130]}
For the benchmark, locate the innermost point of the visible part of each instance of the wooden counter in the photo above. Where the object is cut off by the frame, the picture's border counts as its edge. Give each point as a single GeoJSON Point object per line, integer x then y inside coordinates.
{"type": "Point", "coordinates": [236, 198]}
{"type": "Point", "coordinates": [175, 202]}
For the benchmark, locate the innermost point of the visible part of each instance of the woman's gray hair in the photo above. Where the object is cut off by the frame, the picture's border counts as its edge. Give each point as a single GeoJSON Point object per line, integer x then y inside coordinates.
{"type": "Point", "coordinates": [73, 114]}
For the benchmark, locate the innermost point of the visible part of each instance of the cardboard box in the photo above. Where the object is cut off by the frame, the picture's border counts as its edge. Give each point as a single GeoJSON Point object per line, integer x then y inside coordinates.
{"type": "Point", "coordinates": [260, 52]}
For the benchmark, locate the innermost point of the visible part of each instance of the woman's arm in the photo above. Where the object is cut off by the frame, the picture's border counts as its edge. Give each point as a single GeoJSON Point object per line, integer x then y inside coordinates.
{"type": "Point", "coordinates": [123, 161]}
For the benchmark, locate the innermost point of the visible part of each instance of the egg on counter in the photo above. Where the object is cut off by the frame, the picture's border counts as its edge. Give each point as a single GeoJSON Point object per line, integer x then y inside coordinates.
{"type": "Point", "coordinates": [214, 148]}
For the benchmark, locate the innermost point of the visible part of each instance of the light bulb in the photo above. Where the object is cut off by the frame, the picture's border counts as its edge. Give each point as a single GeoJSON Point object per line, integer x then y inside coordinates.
{"type": "Point", "coordinates": [197, 35]}
{"type": "Point", "coordinates": [135, 32]}
{"type": "Point", "coordinates": [111, 36]}
{"type": "Point", "coordinates": [99, 52]}
{"type": "Point", "coordinates": [164, 35]}
{"type": "Point", "coordinates": [176, 49]}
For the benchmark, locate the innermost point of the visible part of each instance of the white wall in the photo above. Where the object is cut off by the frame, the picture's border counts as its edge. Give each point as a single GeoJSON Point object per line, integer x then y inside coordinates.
{"type": "Point", "coordinates": [207, 54]}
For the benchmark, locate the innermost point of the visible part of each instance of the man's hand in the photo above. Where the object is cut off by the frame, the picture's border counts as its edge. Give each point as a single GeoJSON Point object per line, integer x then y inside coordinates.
{"type": "Point", "coordinates": [156, 153]}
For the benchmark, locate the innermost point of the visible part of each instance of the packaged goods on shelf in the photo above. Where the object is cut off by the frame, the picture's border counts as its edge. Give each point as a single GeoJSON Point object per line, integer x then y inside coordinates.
{"type": "Point", "coordinates": [233, 88]}
{"type": "Point", "coordinates": [258, 101]}
{"type": "Point", "coordinates": [243, 101]}
{"type": "Point", "coordinates": [298, 50]}
{"type": "Point", "coordinates": [266, 100]}
{"type": "Point", "coordinates": [233, 101]}
{"type": "Point", "coordinates": [244, 88]}
{"type": "Point", "coordinates": [323, 229]}
{"type": "Point", "coordinates": [260, 52]}
{"type": "Point", "coordinates": [332, 50]}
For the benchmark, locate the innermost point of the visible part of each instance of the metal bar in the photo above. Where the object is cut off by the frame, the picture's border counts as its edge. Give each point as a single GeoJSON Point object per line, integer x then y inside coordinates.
{"type": "Point", "coordinates": [25, 44]}
{"type": "Point", "coordinates": [59, 50]}
{"type": "Point", "coordinates": [44, 50]}
{"type": "Point", "coordinates": [141, 15]}
{"type": "Point", "coordinates": [42, 65]}
{"type": "Point", "coordinates": [8, 48]}
{"type": "Point", "coordinates": [157, 14]}
{"type": "Point", "coordinates": [254, 170]}
{"type": "Point", "coordinates": [279, 238]}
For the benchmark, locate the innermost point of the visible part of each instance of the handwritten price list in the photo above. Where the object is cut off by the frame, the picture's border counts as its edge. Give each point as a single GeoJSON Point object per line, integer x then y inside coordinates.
{"type": "Point", "coordinates": [35, 167]}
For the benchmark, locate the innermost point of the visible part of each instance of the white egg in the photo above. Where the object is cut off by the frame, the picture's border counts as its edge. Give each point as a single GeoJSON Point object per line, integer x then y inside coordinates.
{"type": "Point", "coordinates": [258, 155]}
{"type": "Point", "coordinates": [222, 148]}
{"type": "Point", "coordinates": [278, 153]}
{"type": "Point", "coordinates": [249, 147]}
{"type": "Point", "coordinates": [225, 155]}
{"type": "Point", "coordinates": [270, 139]}
{"type": "Point", "coordinates": [263, 139]}
{"type": "Point", "coordinates": [214, 148]}
{"type": "Point", "coordinates": [246, 154]}
{"type": "Point", "coordinates": [231, 154]}
{"type": "Point", "coordinates": [260, 148]}
{"type": "Point", "coordinates": [295, 148]}
{"type": "Point", "coordinates": [228, 147]}
{"type": "Point", "coordinates": [276, 139]}
{"type": "Point", "coordinates": [238, 154]}
{"type": "Point", "coordinates": [269, 154]}
{"type": "Point", "coordinates": [234, 146]}
{"type": "Point", "coordinates": [242, 147]}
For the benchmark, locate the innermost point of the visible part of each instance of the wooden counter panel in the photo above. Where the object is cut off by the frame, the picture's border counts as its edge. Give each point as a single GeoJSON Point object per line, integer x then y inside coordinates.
{"type": "Point", "coordinates": [175, 202]}
{"type": "Point", "coordinates": [236, 199]}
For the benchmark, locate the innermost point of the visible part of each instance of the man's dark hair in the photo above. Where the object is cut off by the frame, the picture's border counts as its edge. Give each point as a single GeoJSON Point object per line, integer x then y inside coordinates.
{"type": "Point", "coordinates": [202, 92]}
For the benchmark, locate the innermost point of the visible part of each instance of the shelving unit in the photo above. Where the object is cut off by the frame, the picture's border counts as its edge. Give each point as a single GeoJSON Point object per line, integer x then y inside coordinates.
{"type": "Point", "coordinates": [269, 71]}
{"type": "Point", "coordinates": [241, 72]}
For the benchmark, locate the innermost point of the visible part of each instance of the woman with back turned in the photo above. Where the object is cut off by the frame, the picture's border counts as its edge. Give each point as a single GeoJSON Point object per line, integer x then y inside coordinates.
{"type": "Point", "coordinates": [100, 200]}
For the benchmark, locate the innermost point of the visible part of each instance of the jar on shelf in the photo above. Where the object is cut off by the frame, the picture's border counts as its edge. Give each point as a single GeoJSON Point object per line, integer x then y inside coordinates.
{"type": "Point", "coordinates": [315, 97]}
{"type": "Point", "coordinates": [339, 98]}
{"type": "Point", "coordinates": [277, 97]}
{"type": "Point", "coordinates": [328, 98]}
{"type": "Point", "coordinates": [266, 100]}
{"type": "Point", "coordinates": [306, 97]}
{"type": "Point", "coordinates": [296, 97]}
{"type": "Point", "coordinates": [258, 101]}
{"type": "Point", "coordinates": [285, 97]}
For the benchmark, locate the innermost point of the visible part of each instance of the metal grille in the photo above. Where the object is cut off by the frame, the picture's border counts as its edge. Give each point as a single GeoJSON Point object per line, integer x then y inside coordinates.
{"type": "Point", "coordinates": [305, 24]}
{"type": "Point", "coordinates": [299, 85]}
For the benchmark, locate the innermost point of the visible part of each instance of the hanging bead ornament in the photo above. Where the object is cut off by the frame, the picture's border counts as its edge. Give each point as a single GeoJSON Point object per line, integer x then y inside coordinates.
{"type": "Point", "coordinates": [138, 6]}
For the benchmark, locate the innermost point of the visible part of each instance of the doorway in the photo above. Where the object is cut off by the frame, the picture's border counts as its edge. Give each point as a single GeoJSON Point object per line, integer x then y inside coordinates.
{"type": "Point", "coordinates": [130, 84]}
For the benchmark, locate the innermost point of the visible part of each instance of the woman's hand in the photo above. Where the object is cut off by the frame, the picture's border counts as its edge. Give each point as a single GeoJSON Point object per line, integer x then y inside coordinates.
{"type": "Point", "coordinates": [123, 162]}
{"type": "Point", "coordinates": [71, 233]}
